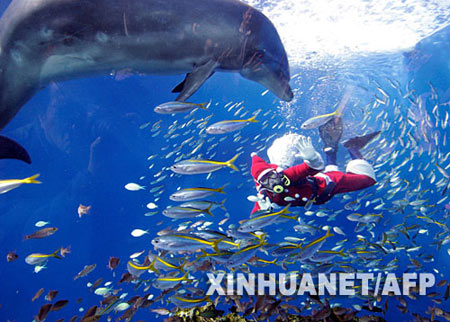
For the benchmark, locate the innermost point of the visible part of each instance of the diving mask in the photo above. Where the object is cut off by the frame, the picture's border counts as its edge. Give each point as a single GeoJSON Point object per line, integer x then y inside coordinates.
{"type": "Point", "coordinates": [275, 181]}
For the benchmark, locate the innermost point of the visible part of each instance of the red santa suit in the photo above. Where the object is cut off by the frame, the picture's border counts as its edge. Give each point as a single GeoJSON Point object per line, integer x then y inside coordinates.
{"type": "Point", "coordinates": [308, 184]}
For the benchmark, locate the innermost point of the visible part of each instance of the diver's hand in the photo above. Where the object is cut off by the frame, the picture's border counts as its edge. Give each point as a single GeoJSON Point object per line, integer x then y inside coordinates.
{"type": "Point", "coordinates": [309, 155]}
{"type": "Point", "coordinates": [305, 148]}
{"type": "Point", "coordinates": [253, 154]}
{"type": "Point", "coordinates": [264, 204]}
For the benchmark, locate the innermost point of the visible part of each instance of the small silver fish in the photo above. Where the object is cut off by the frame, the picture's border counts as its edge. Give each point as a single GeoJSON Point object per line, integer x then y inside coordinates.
{"type": "Point", "coordinates": [178, 107]}
{"type": "Point", "coordinates": [223, 127]}
{"type": "Point", "coordinates": [194, 166]}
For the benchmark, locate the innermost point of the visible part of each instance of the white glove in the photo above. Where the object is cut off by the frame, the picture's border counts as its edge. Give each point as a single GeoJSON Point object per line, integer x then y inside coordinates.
{"type": "Point", "coordinates": [309, 155]}
{"type": "Point", "coordinates": [253, 154]}
{"type": "Point", "coordinates": [264, 204]}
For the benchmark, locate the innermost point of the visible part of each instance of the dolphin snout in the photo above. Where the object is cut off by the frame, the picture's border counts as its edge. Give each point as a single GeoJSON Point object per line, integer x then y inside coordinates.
{"type": "Point", "coordinates": [287, 94]}
{"type": "Point", "coordinates": [273, 81]}
{"type": "Point", "coordinates": [279, 85]}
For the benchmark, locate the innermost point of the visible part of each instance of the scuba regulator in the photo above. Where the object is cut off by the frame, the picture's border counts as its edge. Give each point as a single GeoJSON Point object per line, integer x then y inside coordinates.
{"type": "Point", "coordinates": [275, 182]}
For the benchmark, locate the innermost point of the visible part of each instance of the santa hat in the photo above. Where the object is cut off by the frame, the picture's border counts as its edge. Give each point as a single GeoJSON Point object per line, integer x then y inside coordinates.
{"type": "Point", "coordinates": [261, 167]}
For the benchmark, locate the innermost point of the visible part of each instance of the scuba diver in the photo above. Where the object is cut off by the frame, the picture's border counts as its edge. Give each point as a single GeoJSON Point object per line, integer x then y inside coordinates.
{"type": "Point", "coordinates": [309, 182]}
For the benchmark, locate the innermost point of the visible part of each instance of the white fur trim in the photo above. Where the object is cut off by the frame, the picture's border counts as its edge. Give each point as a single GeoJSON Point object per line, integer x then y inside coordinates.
{"type": "Point", "coordinates": [331, 167]}
{"type": "Point", "coordinates": [265, 171]}
{"type": "Point", "coordinates": [360, 166]}
{"type": "Point", "coordinates": [323, 175]}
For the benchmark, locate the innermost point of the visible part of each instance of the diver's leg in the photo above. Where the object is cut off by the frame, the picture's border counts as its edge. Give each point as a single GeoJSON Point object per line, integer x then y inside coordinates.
{"type": "Point", "coordinates": [359, 175]}
{"type": "Point", "coordinates": [354, 145]}
{"type": "Point", "coordinates": [330, 156]}
{"type": "Point", "coordinates": [353, 182]}
{"type": "Point", "coordinates": [331, 133]}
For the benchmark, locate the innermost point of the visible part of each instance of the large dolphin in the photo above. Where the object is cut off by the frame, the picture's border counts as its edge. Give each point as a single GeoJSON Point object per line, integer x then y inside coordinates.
{"type": "Point", "coordinates": [44, 41]}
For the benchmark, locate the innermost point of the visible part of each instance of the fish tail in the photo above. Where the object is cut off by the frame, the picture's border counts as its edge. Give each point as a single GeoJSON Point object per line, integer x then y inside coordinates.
{"type": "Point", "coordinates": [285, 210]}
{"type": "Point", "coordinates": [55, 254]}
{"type": "Point", "coordinates": [267, 261]}
{"type": "Point", "coordinates": [328, 234]}
{"type": "Point", "coordinates": [204, 254]}
{"type": "Point", "coordinates": [335, 113]}
{"type": "Point", "coordinates": [260, 237]}
{"type": "Point", "coordinates": [204, 105]}
{"type": "Point", "coordinates": [220, 190]}
{"type": "Point", "coordinates": [215, 244]}
{"type": "Point", "coordinates": [230, 163]}
{"type": "Point", "coordinates": [185, 275]}
{"type": "Point", "coordinates": [341, 252]}
{"type": "Point", "coordinates": [222, 204]}
{"type": "Point", "coordinates": [208, 211]}
{"type": "Point", "coordinates": [181, 267]}
{"type": "Point", "coordinates": [32, 179]}
{"type": "Point", "coordinates": [152, 266]}
{"type": "Point", "coordinates": [252, 119]}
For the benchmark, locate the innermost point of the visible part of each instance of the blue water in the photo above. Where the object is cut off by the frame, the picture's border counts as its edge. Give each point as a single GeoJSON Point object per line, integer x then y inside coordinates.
{"type": "Point", "coordinates": [60, 124]}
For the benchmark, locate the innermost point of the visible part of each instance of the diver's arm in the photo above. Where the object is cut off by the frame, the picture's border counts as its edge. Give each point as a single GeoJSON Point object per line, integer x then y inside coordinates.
{"type": "Point", "coordinates": [299, 172]}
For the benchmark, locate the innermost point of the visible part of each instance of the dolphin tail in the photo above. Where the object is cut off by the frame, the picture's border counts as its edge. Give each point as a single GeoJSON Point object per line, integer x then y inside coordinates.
{"type": "Point", "coordinates": [194, 80]}
{"type": "Point", "coordinates": [10, 149]}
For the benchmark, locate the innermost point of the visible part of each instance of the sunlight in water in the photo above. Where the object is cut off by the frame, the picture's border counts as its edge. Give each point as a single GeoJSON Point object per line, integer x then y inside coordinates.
{"type": "Point", "coordinates": [315, 31]}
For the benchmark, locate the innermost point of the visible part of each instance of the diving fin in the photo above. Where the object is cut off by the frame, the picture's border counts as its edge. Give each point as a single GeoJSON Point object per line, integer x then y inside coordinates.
{"type": "Point", "coordinates": [10, 149]}
{"type": "Point", "coordinates": [194, 80]}
{"type": "Point", "coordinates": [355, 144]}
{"type": "Point", "coordinates": [331, 133]}
{"type": "Point", "coordinates": [359, 142]}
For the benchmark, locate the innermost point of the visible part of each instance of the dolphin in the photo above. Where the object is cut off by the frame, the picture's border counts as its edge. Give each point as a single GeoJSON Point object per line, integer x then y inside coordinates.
{"type": "Point", "coordinates": [43, 41]}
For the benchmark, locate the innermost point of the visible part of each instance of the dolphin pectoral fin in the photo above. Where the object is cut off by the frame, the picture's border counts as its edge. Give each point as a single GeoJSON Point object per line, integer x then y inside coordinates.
{"type": "Point", "coordinates": [10, 149]}
{"type": "Point", "coordinates": [180, 86]}
{"type": "Point", "coordinates": [195, 79]}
